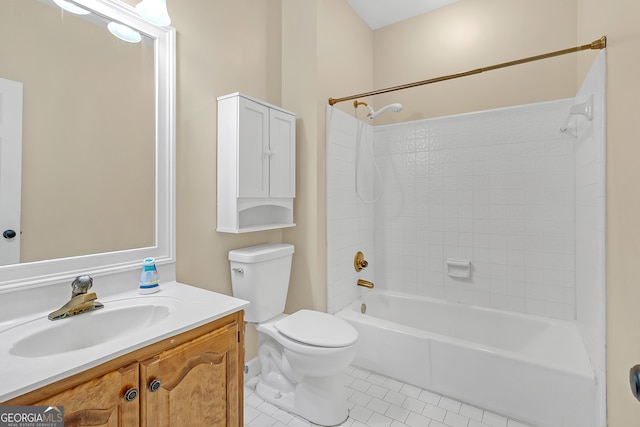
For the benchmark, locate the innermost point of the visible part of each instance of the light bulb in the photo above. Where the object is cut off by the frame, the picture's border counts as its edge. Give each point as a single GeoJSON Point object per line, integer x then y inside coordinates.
{"type": "Point", "coordinates": [154, 11]}
{"type": "Point", "coordinates": [124, 33]}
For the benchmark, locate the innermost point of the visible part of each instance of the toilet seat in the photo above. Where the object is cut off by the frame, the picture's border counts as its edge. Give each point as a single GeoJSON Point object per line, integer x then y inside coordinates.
{"type": "Point", "coordinates": [317, 329]}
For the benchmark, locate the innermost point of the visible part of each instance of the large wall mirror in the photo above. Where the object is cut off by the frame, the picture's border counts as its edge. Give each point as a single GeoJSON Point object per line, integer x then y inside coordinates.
{"type": "Point", "coordinates": [86, 141]}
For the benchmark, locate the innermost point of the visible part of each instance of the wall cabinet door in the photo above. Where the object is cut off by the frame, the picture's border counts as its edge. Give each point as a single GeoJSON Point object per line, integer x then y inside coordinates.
{"type": "Point", "coordinates": [101, 401]}
{"type": "Point", "coordinates": [266, 151]}
{"type": "Point", "coordinates": [282, 154]}
{"type": "Point", "coordinates": [194, 384]}
{"type": "Point", "coordinates": [253, 149]}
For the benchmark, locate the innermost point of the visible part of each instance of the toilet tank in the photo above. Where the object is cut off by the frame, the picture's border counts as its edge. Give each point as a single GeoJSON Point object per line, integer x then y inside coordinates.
{"type": "Point", "coordinates": [260, 274]}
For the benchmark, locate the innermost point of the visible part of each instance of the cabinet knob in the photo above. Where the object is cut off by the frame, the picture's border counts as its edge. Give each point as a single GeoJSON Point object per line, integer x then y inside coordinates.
{"type": "Point", "coordinates": [634, 379]}
{"type": "Point", "coordinates": [131, 394]}
{"type": "Point", "coordinates": [154, 385]}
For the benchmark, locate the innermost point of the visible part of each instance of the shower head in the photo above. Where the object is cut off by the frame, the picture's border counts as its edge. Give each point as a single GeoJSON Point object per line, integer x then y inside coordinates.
{"type": "Point", "coordinates": [393, 107]}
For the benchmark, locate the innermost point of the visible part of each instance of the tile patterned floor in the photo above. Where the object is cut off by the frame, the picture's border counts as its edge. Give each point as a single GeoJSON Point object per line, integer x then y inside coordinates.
{"type": "Point", "coordinates": [378, 401]}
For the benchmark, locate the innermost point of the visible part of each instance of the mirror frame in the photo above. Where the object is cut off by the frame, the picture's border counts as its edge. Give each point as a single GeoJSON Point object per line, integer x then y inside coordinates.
{"type": "Point", "coordinates": [163, 250]}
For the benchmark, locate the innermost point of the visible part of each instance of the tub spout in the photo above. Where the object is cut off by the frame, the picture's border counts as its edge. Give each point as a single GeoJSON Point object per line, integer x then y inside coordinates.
{"type": "Point", "coordinates": [365, 283]}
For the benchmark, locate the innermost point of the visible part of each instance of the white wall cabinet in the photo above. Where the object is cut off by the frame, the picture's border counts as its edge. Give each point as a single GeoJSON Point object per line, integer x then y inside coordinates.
{"type": "Point", "coordinates": [256, 165]}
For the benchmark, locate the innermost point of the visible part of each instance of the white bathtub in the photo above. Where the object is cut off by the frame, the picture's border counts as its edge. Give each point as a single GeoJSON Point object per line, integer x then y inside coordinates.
{"type": "Point", "coordinates": [529, 368]}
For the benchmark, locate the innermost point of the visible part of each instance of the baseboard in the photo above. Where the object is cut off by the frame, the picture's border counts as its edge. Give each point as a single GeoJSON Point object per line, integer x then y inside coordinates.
{"type": "Point", "coordinates": [252, 369]}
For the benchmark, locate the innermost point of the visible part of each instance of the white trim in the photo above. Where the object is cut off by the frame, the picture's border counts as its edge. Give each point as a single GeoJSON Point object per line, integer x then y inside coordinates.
{"type": "Point", "coordinates": [42, 273]}
{"type": "Point", "coordinates": [252, 369]}
{"type": "Point", "coordinates": [11, 102]}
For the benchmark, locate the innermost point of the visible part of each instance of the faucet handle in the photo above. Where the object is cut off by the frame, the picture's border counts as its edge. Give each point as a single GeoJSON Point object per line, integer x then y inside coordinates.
{"type": "Point", "coordinates": [359, 263]}
{"type": "Point", "coordinates": [81, 285]}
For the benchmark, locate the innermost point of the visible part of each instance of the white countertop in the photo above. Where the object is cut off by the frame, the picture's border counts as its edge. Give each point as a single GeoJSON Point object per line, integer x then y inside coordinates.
{"type": "Point", "coordinates": [190, 307]}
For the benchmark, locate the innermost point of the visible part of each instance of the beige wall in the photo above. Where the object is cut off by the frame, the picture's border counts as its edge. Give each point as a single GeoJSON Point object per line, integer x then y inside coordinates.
{"type": "Point", "coordinates": [619, 21]}
{"type": "Point", "coordinates": [222, 47]}
{"type": "Point", "coordinates": [473, 34]}
{"type": "Point", "coordinates": [273, 50]}
{"type": "Point", "coordinates": [326, 47]}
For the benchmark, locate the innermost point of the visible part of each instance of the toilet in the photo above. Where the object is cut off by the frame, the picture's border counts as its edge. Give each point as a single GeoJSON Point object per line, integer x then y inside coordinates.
{"type": "Point", "coordinates": [302, 355]}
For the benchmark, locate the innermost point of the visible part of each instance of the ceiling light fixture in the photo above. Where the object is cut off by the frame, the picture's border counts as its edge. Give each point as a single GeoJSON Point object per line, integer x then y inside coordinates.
{"type": "Point", "coordinates": [154, 11]}
{"type": "Point", "coordinates": [124, 33]}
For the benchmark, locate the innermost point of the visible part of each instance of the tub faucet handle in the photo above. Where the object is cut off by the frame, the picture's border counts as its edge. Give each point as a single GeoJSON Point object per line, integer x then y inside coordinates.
{"type": "Point", "coordinates": [359, 263]}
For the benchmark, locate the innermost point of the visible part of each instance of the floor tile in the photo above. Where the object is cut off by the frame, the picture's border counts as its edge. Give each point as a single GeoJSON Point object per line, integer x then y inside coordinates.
{"type": "Point", "coordinates": [455, 420]}
{"type": "Point", "coordinates": [494, 420]}
{"type": "Point", "coordinates": [378, 401]}
{"type": "Point", "coordinates": [395, 398]}
{"type": "Point", "coordinates": [397, 413]}
{"type": "Point", "coordinates": [450, 404]}
{"type": "Point", "coordinates": [471, 412]}
{"type": "Point", "coordinates": [434, 412]}
{"type": "Point", "coordinates": [378, 405]}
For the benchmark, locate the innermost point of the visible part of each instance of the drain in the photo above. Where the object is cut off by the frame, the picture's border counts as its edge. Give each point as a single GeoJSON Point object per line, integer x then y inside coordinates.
{"type": "Point", "coordinates": [363, 308]}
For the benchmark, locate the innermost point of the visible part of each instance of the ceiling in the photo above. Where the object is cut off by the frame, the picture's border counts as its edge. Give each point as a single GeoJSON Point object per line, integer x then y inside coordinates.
{"type": "Point", "coordinates": [380, 13]}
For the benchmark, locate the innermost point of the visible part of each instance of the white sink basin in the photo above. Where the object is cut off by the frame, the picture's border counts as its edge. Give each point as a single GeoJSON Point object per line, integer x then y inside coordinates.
{"type": "Point", "coordinates": [117, 319]}
{"type": "Point", "coordinates": [35, 351]}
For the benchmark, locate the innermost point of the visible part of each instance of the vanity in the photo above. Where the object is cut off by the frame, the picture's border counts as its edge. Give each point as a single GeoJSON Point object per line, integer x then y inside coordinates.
{"type": "Point", "coordinates": [171, 358]}
{"type": "Point", "coordinates": [180, 362]}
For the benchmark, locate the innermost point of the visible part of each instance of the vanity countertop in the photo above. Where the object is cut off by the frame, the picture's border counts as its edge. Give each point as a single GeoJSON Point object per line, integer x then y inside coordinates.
{"type": "Point", "coordinates": [23, 371]}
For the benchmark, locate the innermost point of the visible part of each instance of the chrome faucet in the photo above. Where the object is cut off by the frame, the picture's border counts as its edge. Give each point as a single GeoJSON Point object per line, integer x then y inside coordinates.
{"type": "Point", "coordinates": [80, 301]}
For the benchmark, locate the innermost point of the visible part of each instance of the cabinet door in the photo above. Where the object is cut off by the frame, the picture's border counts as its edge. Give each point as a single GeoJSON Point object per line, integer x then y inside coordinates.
{"type": "Point", "coordinates": [196, 384]}
{"type": "Point", "coordinates": [253, 149]}
{"type": "Point", "coordinates": [282, 145]}
{"type": "Point", "coordinates": [101, 401]}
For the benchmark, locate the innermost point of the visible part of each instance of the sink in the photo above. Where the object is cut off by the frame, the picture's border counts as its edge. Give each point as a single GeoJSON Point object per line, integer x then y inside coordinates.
{"type": "Point", "coordinates": [116, 320]}
{"type": "Point", "coordinates": [36, 351]}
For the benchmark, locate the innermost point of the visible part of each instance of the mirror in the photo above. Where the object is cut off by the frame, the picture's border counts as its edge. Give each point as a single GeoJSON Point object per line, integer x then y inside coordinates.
{"type": "Point", "coordinates": [97, 138]}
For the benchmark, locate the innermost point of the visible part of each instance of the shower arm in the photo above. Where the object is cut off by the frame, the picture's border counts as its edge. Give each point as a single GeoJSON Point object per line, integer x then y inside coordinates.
{"type": "Point", "coordinates": [601, 43]}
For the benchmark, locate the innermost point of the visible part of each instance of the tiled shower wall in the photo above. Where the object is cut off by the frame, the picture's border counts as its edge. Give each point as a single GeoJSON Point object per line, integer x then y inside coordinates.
{"type": "Point", "coordinates": [494, 188]}
{"type": "Point", "coordinates": [350, 221]}
{"type": "Point", "coordinates": [504, 189]}
{"type": "Point", "coordinates": [590, 223]}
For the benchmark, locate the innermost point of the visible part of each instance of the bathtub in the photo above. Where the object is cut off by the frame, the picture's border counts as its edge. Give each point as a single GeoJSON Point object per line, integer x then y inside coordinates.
{"type": "Point", "coordinates": [525, 367]}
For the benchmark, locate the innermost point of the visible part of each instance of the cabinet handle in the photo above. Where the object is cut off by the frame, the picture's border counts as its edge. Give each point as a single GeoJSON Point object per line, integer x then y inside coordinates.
{"type": "Point", "coordinates": [154, 385]}
{"type": "Point", "coordinates": [131, 394]}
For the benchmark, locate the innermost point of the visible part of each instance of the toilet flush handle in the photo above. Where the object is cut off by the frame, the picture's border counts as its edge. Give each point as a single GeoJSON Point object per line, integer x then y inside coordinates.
{"type": "Point", "coordinates": [238, 270]}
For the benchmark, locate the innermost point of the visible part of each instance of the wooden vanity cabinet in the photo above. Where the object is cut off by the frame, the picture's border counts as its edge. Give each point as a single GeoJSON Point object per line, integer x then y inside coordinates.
{"type": "Point", "coordinates": [100, 401]}
{"type": "Point", "coordinates": [192, 379]}
{"type": "Point", "coordinates": [195, 384]}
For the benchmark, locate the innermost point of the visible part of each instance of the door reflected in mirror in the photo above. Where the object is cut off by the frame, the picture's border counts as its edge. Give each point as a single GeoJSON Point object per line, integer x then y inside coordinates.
{"type": "Point", "coordinates": [88, 133]}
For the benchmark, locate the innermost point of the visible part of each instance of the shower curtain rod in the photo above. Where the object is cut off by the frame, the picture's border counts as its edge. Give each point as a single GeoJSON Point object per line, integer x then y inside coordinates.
{"type": "Point", "coordinates": [601, 43]}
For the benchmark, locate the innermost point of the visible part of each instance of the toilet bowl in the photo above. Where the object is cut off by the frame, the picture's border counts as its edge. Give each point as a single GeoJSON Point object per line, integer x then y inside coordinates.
{"type": "Point", "coordinates": [303, 378]}
{"type": "Point", "coordinates": [302, 355]}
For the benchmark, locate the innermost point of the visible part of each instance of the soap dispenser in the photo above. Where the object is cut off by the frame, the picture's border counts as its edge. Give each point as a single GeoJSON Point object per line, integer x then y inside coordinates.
{"type": "Point", "coordinates": [149, 277]}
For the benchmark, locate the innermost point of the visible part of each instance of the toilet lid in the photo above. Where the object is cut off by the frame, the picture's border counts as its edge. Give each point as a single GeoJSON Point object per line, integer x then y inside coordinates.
{"type": "Point", "coordinates": [317, 329]}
